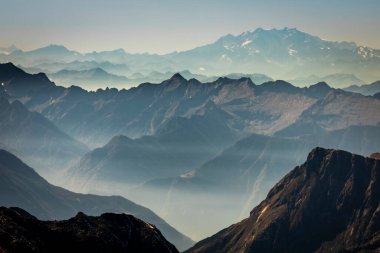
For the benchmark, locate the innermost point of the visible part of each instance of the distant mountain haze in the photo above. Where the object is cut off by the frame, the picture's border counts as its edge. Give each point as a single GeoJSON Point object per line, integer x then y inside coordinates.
{"type": "Point", "coordinates": [241, 175]}
{"type": "Point", "coordinates": [365, 89]}
{"type": "Point", "coordinates": [34, 138]}
{"type": "Point", "coordinates": [286, 53]}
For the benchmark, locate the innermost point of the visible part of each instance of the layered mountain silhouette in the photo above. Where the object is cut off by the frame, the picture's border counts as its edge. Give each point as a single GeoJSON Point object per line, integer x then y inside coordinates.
{"type": "Point", "coordinates": [328, 204]}
{"type": "Point", "coordinates": [36, 139]}
{"type": "Point", "coordinates": [243, 174]}
{"type": "Point", "coordinates": [166, 143]}
{"type": "Point", "coordinates": [21, 186]}
{"type": "Point", "coordinates": [337, 80]}
{"type": "Point", "coordinates": [95, 117]}
{"type": "Point", "coordinates": [264, 108]}
{"type": "Point", "coordinates": [366, 89]}
{"type": "Point", "coordinates": [181, 144]}
{"type": "Point", "coordinates": [22, 232]}
{"type": "Point", "coordinates": [259, 161]}
{"type": "Point", "coordinates": [89, 79]}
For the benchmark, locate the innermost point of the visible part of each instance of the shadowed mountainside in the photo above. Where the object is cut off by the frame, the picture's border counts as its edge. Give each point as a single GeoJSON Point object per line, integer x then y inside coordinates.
{"type": "Point", "coordinates": [36, 139]}
{"type": "Point", "coordinates": [328, 204]}
{"type": "Point", "coordinates": [21, 232]}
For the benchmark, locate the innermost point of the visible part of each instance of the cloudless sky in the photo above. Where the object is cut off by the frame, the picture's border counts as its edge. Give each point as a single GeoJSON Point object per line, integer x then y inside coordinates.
{"type": "Point", "coordinates": [161, 26]}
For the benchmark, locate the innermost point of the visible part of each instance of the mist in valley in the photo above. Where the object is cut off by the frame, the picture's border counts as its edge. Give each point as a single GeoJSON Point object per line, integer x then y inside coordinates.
{"type": "Point", "coordinates": [190, 126]}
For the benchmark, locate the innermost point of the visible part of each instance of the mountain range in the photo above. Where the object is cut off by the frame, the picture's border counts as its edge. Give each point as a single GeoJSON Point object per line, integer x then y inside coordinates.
{"type": "Point", "coordinates": [249, 108]}
{"type": "Point", "coordinates": [328, 204]}
{"type": "Point", "coordinates": [89, 78]}
{"type": "Point", "coordinates": [180, 145]}
{"type": "Point", "coordinates": [37, 140]}
{"type": "Point", "coordinates": [21, 186]}
{"type": "Point", "coordinates": [287, 54]}
{"type": "Point", "coordinates": [367, 90]}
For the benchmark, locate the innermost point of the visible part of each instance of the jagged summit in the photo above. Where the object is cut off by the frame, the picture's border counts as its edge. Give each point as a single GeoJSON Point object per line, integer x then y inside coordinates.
{"type": "Point", "coordinates": [16, 81]}
{"type": "Point", "coordinates": [8, 70]}
{"type": "Point", "coordinates": [318, 90]}
{"type": "Point", "coordinates": [177, 77]}
{"type": "Point", "coordinates": [319, 85]}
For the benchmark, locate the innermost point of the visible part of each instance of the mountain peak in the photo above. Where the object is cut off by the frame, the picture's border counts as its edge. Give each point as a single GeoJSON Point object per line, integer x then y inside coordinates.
{"type": "Point", "coordinates": [176, 81]}
{"type": "Point", "coordinates": [320, 85]}
{"type": "Point", "coordinates": [8, 70]}
{"type": "Point", "coordinates": [318, 90]}
{"type": "Point", "coordinates": [54, 48]}
{"type": "Point", "coordinates": [119, 140]}
{"type": "Point", "coordinates": [177, 77]}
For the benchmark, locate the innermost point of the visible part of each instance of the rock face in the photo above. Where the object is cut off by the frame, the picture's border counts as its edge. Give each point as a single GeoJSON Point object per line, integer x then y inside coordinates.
{"type": "Point", "coordinates": [21, 232]}
{"type": "Point", "coordinates": [328, 204]}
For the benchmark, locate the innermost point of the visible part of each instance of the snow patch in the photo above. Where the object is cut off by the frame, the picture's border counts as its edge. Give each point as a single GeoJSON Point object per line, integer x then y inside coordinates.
{"type": "Point", "coordinates": [366, 52]}
{"type": "Point", "coordinates": [292, 52]}
{"type": "Point", "coordinates": [246, 42]}
{"type": "Point", "coordinates": [225, 57]}
{"type": "Point", "coordinates": [189, 174]}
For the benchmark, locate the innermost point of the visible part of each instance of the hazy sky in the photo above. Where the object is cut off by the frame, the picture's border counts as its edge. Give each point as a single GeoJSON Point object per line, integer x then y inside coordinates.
{"type": "Point", "coordinates": [160, 26]}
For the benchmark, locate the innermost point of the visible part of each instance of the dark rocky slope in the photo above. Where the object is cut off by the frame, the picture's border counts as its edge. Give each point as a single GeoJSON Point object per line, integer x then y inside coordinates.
{"type": "Point", "coordinates": [21, 186]}
{"type": "Point", "coordinates": [21, 232]}
{"type": "Point", "coordinates": [328, 204]}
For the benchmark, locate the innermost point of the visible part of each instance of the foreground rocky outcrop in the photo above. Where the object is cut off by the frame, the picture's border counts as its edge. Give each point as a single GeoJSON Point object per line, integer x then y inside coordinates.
{"type": "Point", "coordinates": [22, 232]}
{"type": "Point", "coordinates": [21, 186]}
{"type": "Point", "coordinates": [331, 203]}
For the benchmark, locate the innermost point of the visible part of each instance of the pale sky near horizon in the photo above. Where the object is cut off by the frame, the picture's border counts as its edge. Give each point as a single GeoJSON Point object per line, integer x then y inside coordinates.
{"type": "Point", "coordinates": [162, 26]}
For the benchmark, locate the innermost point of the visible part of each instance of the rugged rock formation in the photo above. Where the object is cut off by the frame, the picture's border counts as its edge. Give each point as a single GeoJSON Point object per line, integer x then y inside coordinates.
{"type": "Point", "coordinates": [328, 204]}
{"type": "Point", "coordinates": [22, 232]}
